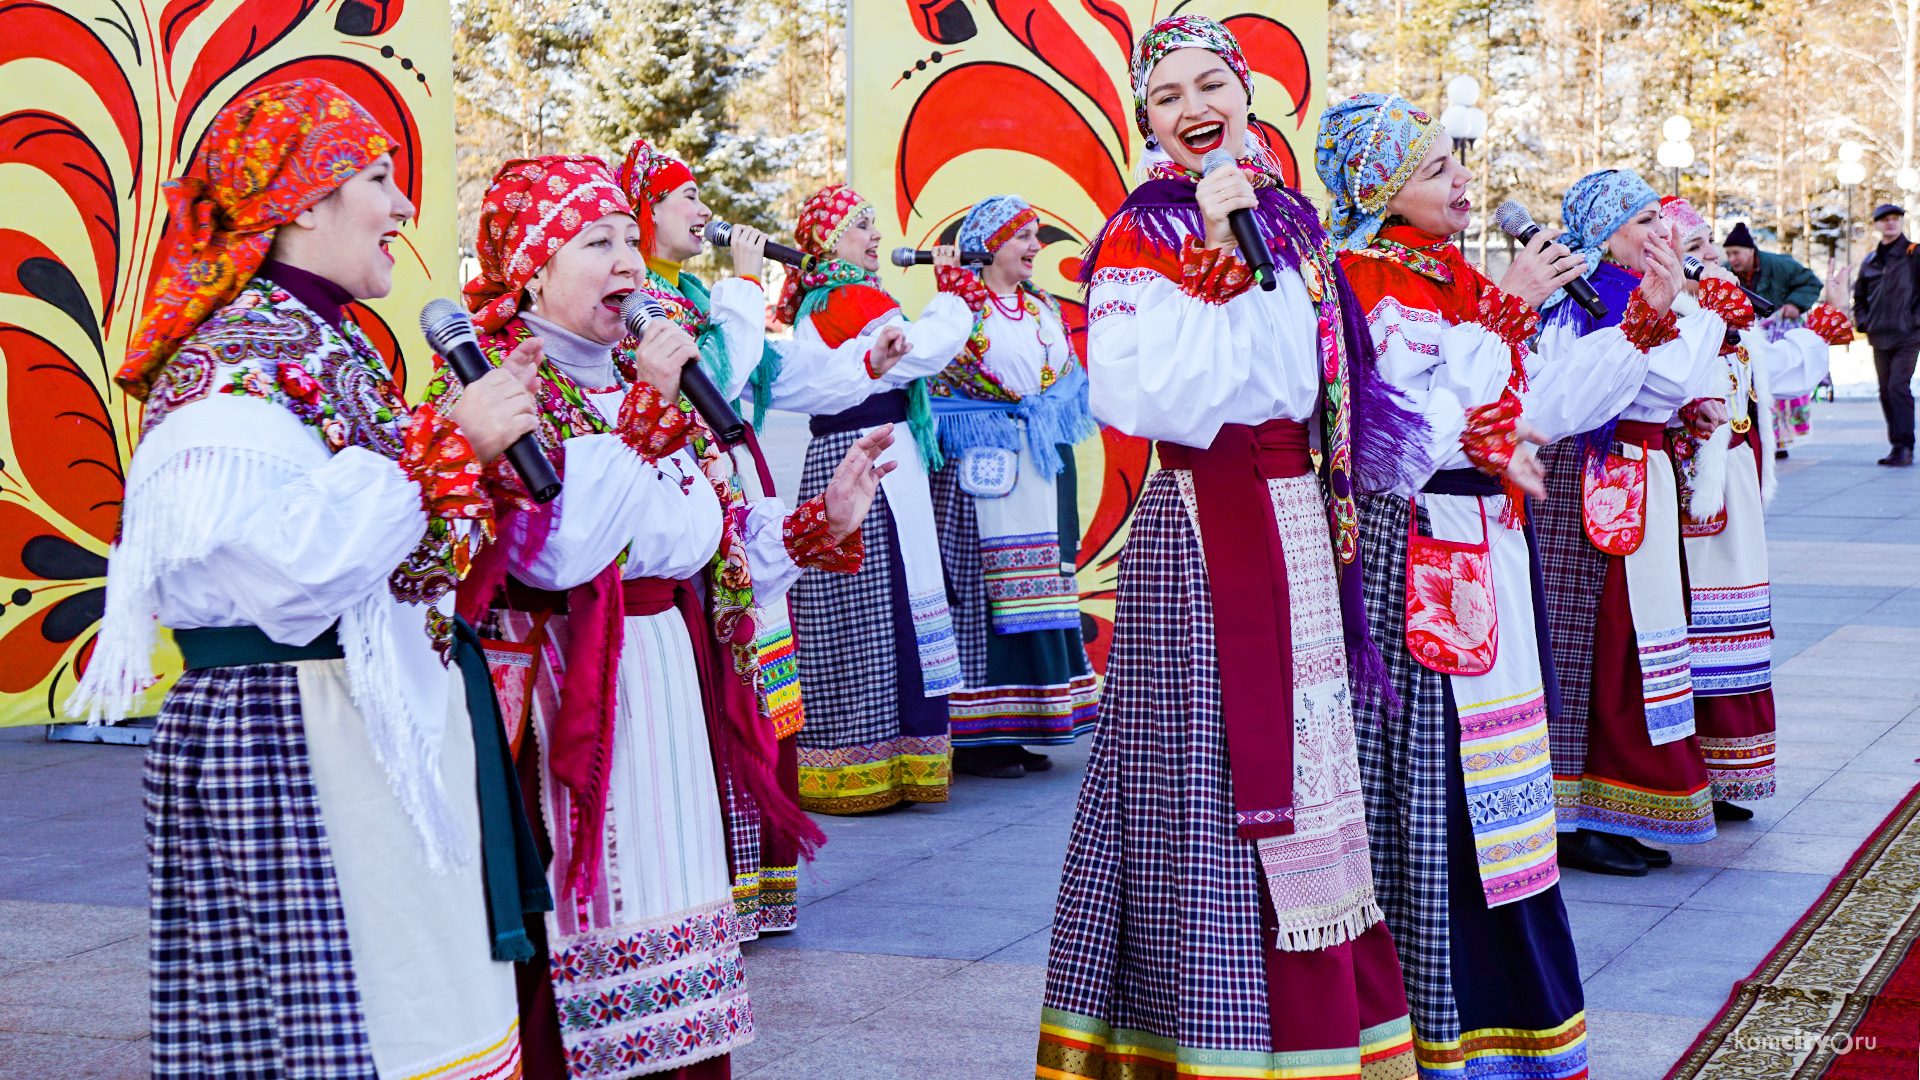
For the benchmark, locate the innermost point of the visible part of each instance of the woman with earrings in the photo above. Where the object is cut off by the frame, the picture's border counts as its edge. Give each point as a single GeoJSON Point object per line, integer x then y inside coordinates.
{"type": "Point", "coordinates": [877, 652]}
{"type": "Point", "coordinates": [1626, 763]}
{"type": "Point", "coordinates": [1217, 915]}
{"type": "Point", "coordinates": [1011, 407]}
{"type": "Point", "coordinates": [339, 868]}
{"type": "Point", "coordinates": [634, 594]}
{"type": "Point", "coordinates": [1726, 480]}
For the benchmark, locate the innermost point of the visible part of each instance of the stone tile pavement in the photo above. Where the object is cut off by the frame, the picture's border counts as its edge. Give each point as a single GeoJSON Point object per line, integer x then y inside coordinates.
{"type": "Point", "coordinates": [921, 949]}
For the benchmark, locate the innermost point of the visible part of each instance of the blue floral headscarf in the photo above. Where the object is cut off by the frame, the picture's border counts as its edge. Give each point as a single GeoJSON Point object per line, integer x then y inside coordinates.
{"type": "Point", "coordinates": [992, 222]}
{"type": "Point", "coordinates": [1594, 209]}
{"type": "Point", "coordinates": [1369, 145]}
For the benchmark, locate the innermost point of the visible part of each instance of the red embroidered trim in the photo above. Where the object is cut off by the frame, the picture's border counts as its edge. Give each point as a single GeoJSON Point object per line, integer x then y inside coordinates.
{"type": "Point", "coordinates": [1689, 417]}
{"type": "Point", "coordinates": [1488, 440]}
{"type": "Point", "coordinates": [650, 425]}
{"type": "Point", "coordinates": [962, 283]}
{"type": "Point", "coordinates": [1215, 275]}
{"type": "Point", "coordinates": [503, 485]}
{"type": "Point", "coordinates": [1831, 324]}
{"type": "Point", "coordinates": [1643, 328]}
{"type": "Point", "coordinates": [1728, 301]}
{"type": "Point", "coordinates": [810, 544]}
{"type": "Point", "coordinates": [1507, 316]}
{"type": "Point", "coordinates": [866, 361]}
{"type": "Point", "coordinates": [438, 457]}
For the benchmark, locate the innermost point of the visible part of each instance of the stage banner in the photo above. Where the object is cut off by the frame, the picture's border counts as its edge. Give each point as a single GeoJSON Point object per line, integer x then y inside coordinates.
{"type": "Point", "coordinates": [955, 100]}
{"type": "Point", "coordinates": [105, 101]}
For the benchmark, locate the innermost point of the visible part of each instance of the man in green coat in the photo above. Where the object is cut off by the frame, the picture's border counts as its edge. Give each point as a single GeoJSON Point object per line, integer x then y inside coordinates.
{"type": "Point", "coordinates": [1784, 283]}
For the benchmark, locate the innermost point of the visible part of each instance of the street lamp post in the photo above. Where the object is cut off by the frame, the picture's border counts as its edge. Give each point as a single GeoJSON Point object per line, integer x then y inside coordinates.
{"type": "Point", "coordinates": [1465, 123]}
{"type": "Point", "coordinates": [1676, 153]}
{"type": "Point", "coordinates": [1850, 172]}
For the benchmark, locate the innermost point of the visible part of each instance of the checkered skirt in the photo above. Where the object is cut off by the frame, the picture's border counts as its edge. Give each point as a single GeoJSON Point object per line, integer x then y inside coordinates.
{"type": "Point", "coordinates": [1157, 927]}
{"type": "Point", "coordinates": [1574, 571]}
{"type": "Point", "coordinates": [843, 625]}
{"type": "Point", "coordinates": [1403, 766]}
{"type": "Point", "coordinates": [252, 975]}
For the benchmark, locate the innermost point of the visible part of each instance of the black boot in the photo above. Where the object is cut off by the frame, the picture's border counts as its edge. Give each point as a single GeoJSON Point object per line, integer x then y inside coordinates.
{"type": "Point", "coordinates": [1033, 762]}
{"type": "Point", "coordinates": [992, 762]}
{"type": "Point", "coordinates": [1652, 856]}
{"type": "Point", "coordinates": [1900, 458]}
{"type": "Point", "coordinates": [1726, 811]}
{"type": "Point", "coordinates": [1590, 851]}
{"type": "Point", "coordinates": [1781, 453]}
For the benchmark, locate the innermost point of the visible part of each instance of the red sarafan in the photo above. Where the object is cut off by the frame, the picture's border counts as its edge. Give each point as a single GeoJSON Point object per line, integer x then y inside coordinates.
{"type": "Point", "coordinates": [129, 116]}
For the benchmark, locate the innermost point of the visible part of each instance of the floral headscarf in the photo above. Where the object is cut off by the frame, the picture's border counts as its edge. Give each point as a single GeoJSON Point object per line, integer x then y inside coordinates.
{"type": "Point", "coordinates": [1368, 147]}
{"type": "Point", "coordinates": [647, 176]}
{"type": "Point", "coordinates": [1594, 209]}
{"type": "Point", "coordinates": [533, 207]}
{"type": "Point", "coordinates": [824, 219]}
{"type": "Point", "coordinates": [265, 159]}
{"type": "Point", "coordinates": [992, 222]}
{"type": "Point", "coordinates": [1183, 32]}
{"type": "Point", "coordinates": [1681, 214]}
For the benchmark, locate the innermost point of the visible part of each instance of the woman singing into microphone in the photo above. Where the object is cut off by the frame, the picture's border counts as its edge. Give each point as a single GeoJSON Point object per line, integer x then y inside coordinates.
{"type": "Point", "coordinates": [635, 592]}
{"type": "Point", "coordinates": [1217, 914]}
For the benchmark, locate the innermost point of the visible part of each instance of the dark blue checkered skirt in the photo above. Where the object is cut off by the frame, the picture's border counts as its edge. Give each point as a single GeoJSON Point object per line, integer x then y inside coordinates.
{"type": "Point", "coordinates": [252, 974]}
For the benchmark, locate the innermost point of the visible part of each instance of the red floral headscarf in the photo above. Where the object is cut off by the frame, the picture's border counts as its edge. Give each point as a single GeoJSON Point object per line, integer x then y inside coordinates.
{"type": "Point", "coordinates": [265, 159]}
{"type": "Point", "coordinates": [533, 207]}
{"type": "Point", "coordinates": [647, 176]}
{"type": "Point", "coordinates": [824, 219]}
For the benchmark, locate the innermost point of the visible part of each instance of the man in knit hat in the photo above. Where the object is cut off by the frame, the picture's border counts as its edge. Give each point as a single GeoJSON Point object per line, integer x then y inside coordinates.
{"type": "Point", "coordinates": [1785, 284]}
{"type": "Point", "coordinates": [1884, 298]}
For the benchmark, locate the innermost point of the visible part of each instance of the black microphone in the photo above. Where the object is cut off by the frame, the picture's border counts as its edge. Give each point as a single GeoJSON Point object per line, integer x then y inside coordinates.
{"type": "Point", "coordinates": [906, 256]}
{"type": "Point", "coordinates": [637, 311]}
{"type": "Point", "coordinates": [720, 233]}
{"type": "Point", "coordinates": [1514, 220]}
{"type": "Point", "coordinates": [1695, 270]}
{"type": "Point", "coordinates": [1246, 231]}
{"type": "Point", "coordinates": [450, 332]}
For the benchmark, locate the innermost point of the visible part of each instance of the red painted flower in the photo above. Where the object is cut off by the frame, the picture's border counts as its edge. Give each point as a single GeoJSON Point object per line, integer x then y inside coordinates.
{"type": "Point", "coordinates": [301, 386]}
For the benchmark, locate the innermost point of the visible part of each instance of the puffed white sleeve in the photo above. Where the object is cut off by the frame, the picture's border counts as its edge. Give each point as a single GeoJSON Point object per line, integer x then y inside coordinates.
{"type": "Point", "coordinates": [1441, 370]}
{"type": "Point", "coordinates": [605, 491]}
{"type": "Point", "coordinates": [1164, 364]}
{"type": "Point", "coordinates": [933, 339]}
{"type": "Point", "coordinates": [774, 570]}
{"type": "Point", "coordinates": [820, 381]}
{"type": "Point", "coordinates": [1576, 384]}
{"type": "Point", "coordinates": [1795, 364]}
{"type": "Point", "coordinates": [739, 306]}
{"type": "Point", "coordinates": [680, 531]}
{"type": "Point", "coordinates": [1685, 368]}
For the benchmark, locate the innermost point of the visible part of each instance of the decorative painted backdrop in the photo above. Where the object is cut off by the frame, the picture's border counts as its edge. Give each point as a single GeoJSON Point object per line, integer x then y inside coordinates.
{"type": "Point", "coordinates": [101, 101]}
{"type": "Point", "coordinates": [953, 100]}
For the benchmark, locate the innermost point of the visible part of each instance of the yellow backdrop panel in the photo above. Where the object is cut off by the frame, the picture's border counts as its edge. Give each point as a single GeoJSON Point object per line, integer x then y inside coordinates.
{"type": "Point", "coordinates": [954, 100]}
{"type": "Point", "coordinates": [105, 100]}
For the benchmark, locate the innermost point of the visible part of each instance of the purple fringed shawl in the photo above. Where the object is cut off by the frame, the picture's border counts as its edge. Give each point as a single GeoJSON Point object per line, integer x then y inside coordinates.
{"type": "Point", "coordinates": [1371, 441]}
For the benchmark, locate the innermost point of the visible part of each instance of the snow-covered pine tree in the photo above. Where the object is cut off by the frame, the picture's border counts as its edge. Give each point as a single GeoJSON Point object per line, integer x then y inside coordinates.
{"type": "Point", "coordinates": [666, 70]}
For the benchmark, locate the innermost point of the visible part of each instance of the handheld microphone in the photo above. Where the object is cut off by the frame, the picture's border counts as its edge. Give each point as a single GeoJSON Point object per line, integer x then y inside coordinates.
{"type": "Point", "coordinates": [720, 234]}
{"type": "Point", "coordinates": [450, 332]}
{"type": "Point", "coordinates": [1514, 220]}
{"type": "Point", "coordinates": [639, 310]}
{"type": "Point", "coordinates": [906, 256]}
{"type": "Point", "coordinates": [1246, 231]}
{"type": "Point", "coordinates": [1695, 270]}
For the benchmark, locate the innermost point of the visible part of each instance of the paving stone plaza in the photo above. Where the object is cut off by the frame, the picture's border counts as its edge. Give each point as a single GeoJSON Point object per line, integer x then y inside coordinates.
{"type": "Point", "coordinates": [922, 943]}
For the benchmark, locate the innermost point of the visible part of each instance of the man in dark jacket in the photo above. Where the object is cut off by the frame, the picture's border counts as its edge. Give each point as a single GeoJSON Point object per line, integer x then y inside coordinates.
{"type": "Point", "coordinates": [1788, 286]}
{"type": "Point", "coordinates": [1884, 299]}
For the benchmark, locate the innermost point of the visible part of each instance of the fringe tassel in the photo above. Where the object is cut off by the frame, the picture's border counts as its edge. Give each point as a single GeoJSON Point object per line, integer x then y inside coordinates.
{"type": "Point", "coordinates": [765, 374]}
{"type": "Point", "coordinates": [926, 433]}
{"type": "Point", "coordinates": [1347, 928]}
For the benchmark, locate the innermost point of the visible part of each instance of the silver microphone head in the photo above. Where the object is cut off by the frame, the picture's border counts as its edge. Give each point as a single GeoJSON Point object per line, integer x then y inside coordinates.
{"type": "Point", "coordinates": [903, 256]}
{"type": "Point", "coordinates": [1693, 267]}
{"type": "Point", "coordinates": [639, 309]}
{"type": "Point", "coordinates": [1512, 218]}
{"type": "Point", "coordinates": [444, 324]}
{"type": "Point", "coordinates": [720, 233]}
{"type": "Point", "coordinates": [1215, 159]}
